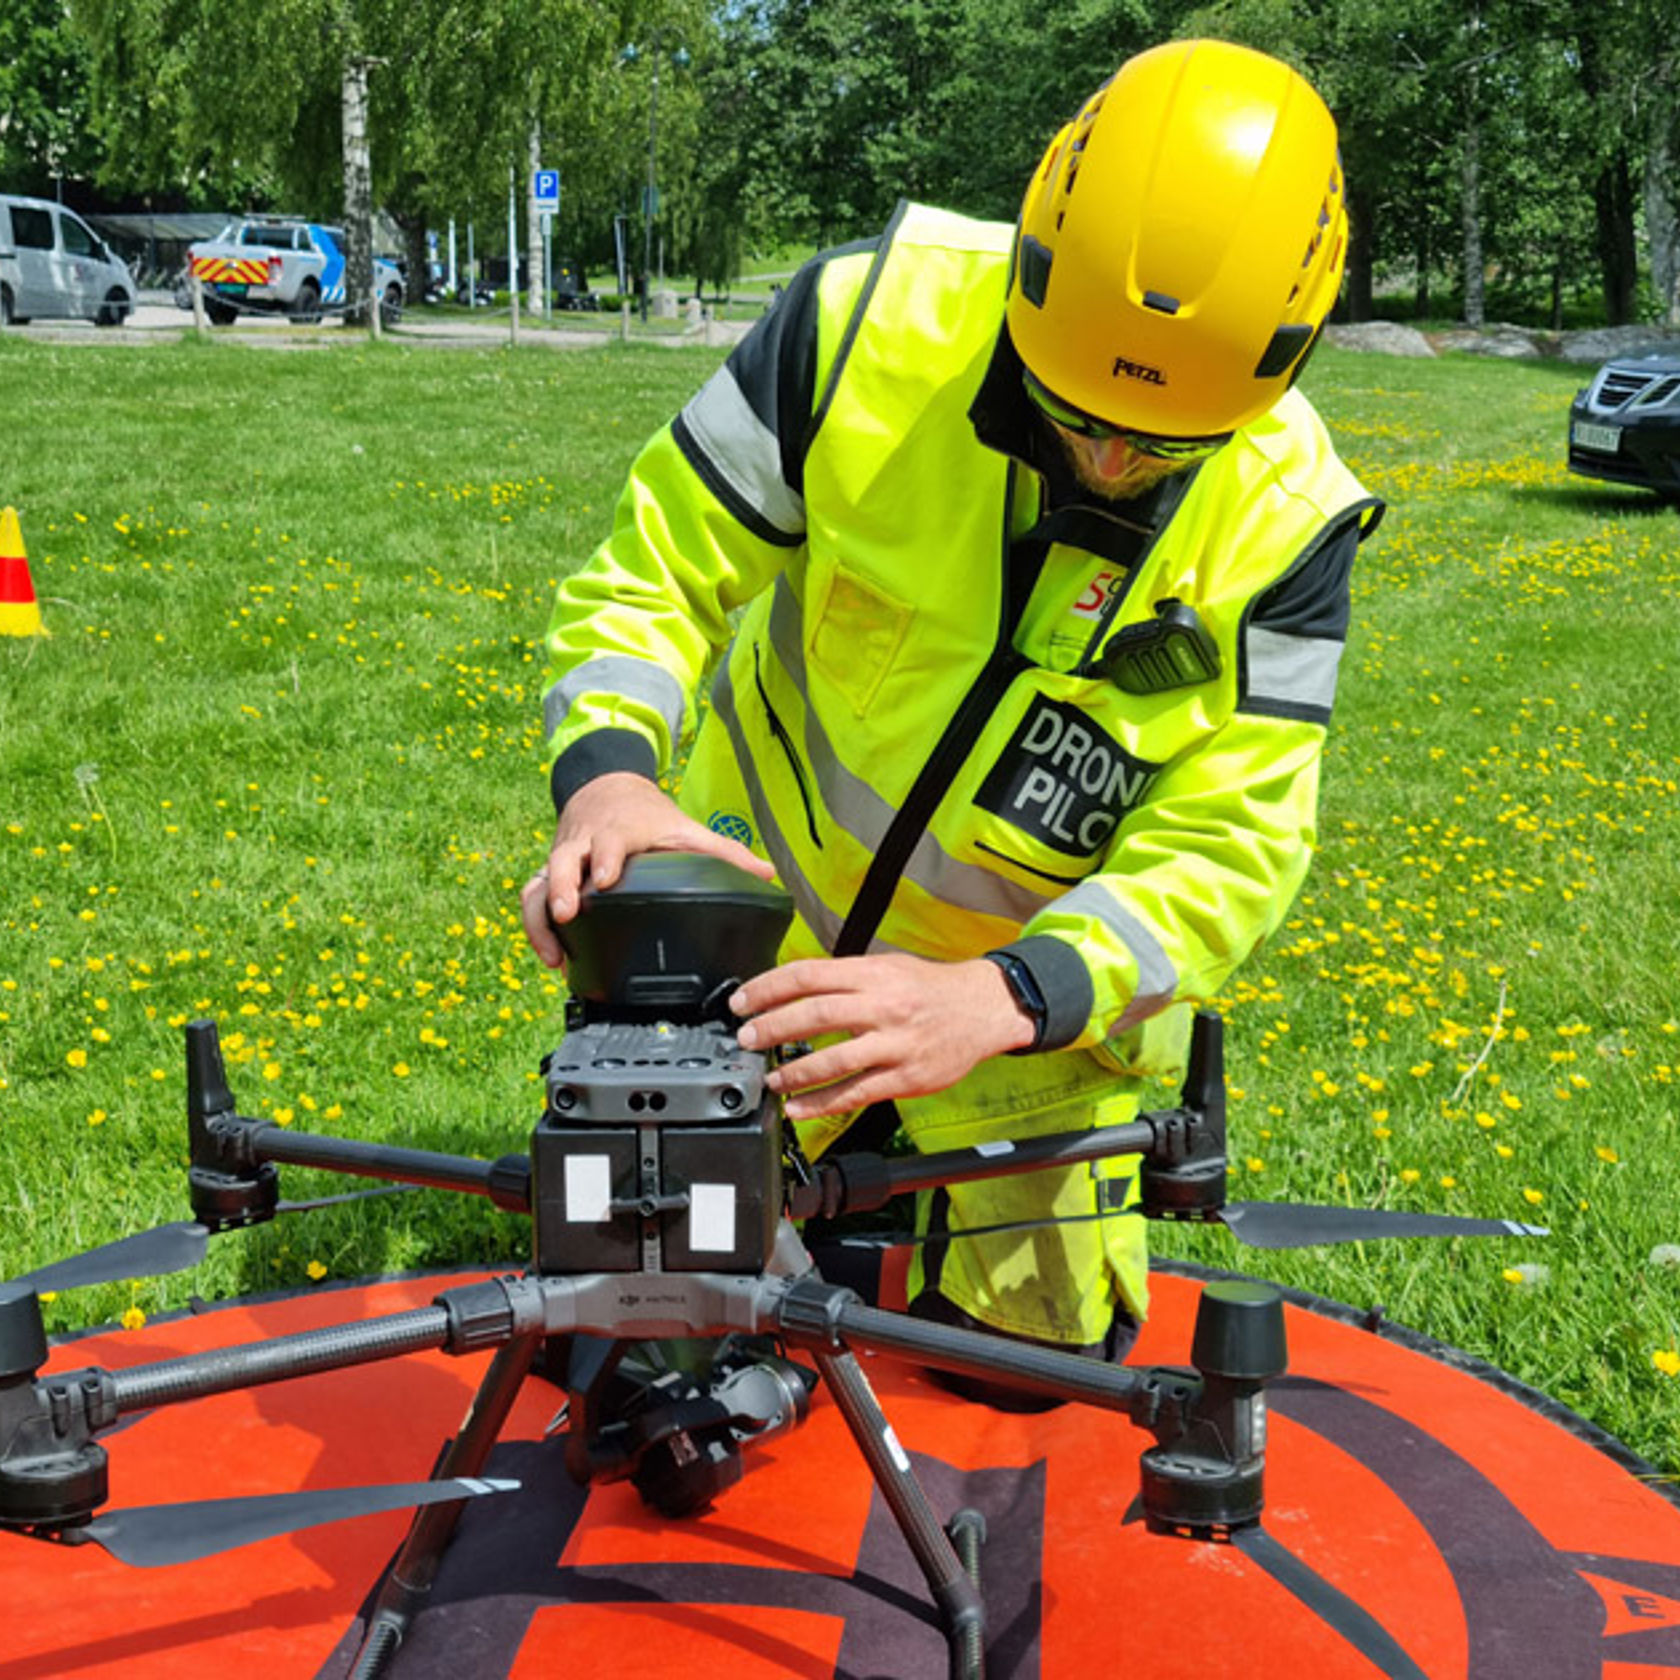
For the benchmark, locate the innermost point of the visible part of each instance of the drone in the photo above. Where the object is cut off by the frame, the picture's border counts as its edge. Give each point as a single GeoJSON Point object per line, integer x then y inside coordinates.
{"type": "Point", "coordinates": [670, 1293]}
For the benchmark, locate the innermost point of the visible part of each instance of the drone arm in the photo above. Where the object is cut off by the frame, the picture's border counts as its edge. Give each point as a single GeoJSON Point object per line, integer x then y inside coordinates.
{"type": "Point", "coordinates": [506, 1181]}
{"type": "Point", "coordinates": [51, 1473]}
{"type": "Point", "coordinates": [232, 1178]}
{"type": "Point", "coordinates": [812, 1313]}
{"type": "Point", "coordinates": [1189, 1139]}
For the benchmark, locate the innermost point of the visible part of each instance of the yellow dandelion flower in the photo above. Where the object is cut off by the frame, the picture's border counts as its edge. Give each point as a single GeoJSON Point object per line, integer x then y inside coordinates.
{"type": "Point", "coordinates": [316, 1271]}
{"type": "Point", "coordinates": [77, 1058]}
{"type": "Point", "coordinates": [133, 1319]}
{"type": "Point", "coordinates": [1667, 1360]}
{"type": "Point", "coordinates": [1605, 1154]}
{"type": "Point", "coordinates": [1534, 1197]}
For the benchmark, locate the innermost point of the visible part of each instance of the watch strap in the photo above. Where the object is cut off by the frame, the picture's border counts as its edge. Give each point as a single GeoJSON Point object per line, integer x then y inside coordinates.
{"type": "Point", "coordinates": [1028, 995]}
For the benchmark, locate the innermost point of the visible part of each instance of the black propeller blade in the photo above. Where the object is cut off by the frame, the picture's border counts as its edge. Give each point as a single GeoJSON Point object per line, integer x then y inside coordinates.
{"type": "Point", "coordinates": [165, 1248]}
{"type": "Point", "coordinates": [177, 1247]}
{"type": "Point", "coordinates": [151, 1536]}
{"type": "Point", "coordinates": [1259, 1224]}
{"type": "Point", "coordinates": [1302, 1225]}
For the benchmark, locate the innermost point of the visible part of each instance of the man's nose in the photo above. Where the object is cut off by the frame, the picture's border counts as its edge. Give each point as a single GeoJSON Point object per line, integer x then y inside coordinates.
{"type": "Point", "coordinates": [1109, 456]}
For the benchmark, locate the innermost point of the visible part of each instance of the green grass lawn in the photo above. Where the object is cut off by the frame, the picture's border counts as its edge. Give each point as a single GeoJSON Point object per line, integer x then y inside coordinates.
{"type": "Point", "coordinates": [277, 764]}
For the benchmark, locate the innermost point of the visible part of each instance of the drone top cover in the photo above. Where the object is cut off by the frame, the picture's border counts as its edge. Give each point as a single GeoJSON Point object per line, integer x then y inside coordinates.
{"type": "Point", "coordinates": [673, 929]}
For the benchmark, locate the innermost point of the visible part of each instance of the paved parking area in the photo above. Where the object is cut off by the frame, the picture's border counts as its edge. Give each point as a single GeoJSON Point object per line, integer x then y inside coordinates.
{"type": "Point", "coordinates": [157, 319]}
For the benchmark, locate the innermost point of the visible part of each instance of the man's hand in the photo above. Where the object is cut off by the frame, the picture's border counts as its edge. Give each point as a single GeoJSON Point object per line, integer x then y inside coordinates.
{"type": "Point", "coordinates": [606, 823]}
{"type": "Point", "coordinates": [913, 1027]}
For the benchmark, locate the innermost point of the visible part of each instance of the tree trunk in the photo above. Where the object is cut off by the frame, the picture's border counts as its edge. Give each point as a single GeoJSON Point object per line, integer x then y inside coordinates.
{"type": "Point", "coordinates": [1471, 177]}
{"type": "Point", "coordinates": [1617, 253]}
{"type": "Point", "coordinates": [1662, 226]}
{"type": "Point", "coordinates": [1470, 180]}
{"type": "Point", "coordinates": [358, 194]}
{"type": "Point", "coordinates": [1362, 254]}
{"type": "Point", "coordinates": [417, 252]}
{"type": "Point", "coordinates": [535, 277]}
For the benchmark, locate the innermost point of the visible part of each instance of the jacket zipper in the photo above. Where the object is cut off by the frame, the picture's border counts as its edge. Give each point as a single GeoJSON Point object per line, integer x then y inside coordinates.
{"type": "Point", "coordinates": [780, 731]}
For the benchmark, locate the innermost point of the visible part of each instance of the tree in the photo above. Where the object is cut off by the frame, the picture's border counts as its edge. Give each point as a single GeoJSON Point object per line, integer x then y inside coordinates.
{"type": "Point", "coordinates": [43, 97]}
{"type": "Point", "coordinates": [338, 103]}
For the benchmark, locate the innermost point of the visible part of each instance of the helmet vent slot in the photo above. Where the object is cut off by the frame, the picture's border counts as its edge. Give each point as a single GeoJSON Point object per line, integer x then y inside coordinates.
{"type": "Point", "coordinates": [1082, 126]}
{"type": "Point", "coordinates": [1160, 303]}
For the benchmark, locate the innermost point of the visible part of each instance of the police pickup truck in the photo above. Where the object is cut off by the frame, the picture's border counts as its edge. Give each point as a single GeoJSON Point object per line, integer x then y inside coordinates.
{"type": "Point", "coordinates": [270, 265]}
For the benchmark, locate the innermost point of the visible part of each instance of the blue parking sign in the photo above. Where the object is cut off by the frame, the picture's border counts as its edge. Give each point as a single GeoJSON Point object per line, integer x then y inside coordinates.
{"type": "Point", "coordinates": [545, 189]}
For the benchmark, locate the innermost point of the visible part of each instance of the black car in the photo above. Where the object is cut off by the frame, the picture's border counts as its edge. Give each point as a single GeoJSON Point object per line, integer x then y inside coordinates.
{"type": "Point", "coordinates": [1625, 426]}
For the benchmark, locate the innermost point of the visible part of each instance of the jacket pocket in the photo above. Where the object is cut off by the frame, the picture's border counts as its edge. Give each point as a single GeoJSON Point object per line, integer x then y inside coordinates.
{"type": "Point", "coordinates": [856, 633]}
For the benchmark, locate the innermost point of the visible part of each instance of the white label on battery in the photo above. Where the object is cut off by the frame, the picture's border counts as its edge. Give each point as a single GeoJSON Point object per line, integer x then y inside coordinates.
{"type": "Point", "coordinates": [711, 1218]}
{"type": "Point", "coordinates": [1002, 1147]}
{"type": "Point", "coordinates": [899, 1456]}
{"type": "Point", "coordinates": [588, 1189]}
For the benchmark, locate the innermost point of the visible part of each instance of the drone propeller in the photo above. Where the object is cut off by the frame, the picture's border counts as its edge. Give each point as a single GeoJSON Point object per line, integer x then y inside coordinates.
{"type": "Point", "coordinates": [1258, 1224]}
{"type": "Point", "coordinates": [151, 1536]}
{"type": "Point", "coordinates": [176, 1247]}
{"type": "Point", "coordinates": [1306, 1225]}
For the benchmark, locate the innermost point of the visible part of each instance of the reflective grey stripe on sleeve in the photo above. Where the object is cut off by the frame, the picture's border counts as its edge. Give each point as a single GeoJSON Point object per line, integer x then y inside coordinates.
{"type": "Point", "coordinates": [812, 911]}
{"type": "Point", "coordinates": [640, 680]}
{"type": "Point", "coordinates": [1290, 676]}
{"type": "Point", "coordinates": [744, 454]}
{"type": "Point", "coordinates": [1157, 979]}
{"type": "Point", "coordinates": [853, 805]}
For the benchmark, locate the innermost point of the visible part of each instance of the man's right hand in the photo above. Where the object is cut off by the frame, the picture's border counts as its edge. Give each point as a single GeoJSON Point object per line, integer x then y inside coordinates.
{"type": "Point", "coordinates": [606, 823]}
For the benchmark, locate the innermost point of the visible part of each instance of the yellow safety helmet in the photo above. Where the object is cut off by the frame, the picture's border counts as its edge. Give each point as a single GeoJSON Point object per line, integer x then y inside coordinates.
{"type": "Point", "coordinates": [1181, 243]}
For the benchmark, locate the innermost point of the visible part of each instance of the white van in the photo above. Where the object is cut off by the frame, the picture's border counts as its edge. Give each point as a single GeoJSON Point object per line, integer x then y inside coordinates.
{"type": "Point", "coordinates": [53, 264]}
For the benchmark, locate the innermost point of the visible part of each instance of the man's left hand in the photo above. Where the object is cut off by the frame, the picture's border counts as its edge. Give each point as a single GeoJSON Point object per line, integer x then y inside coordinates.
{"type": "Point", "coordinates": [911, 1027]}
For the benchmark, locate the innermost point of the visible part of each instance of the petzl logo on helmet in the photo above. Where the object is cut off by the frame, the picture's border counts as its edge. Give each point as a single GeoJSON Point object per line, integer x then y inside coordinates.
{"type": "Point", "coordinates": [1064, 780]}
{"type": "Point", "coordinates": [1138, 370]}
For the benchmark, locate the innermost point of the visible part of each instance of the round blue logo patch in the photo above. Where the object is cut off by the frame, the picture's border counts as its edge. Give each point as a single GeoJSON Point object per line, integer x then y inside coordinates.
{"type": "Point", "coordinates": [731, 826]}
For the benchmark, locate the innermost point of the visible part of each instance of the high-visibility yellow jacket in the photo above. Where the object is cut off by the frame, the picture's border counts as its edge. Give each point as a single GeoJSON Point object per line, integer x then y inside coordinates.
{"type": "Point", "coordinates": [911, 719]}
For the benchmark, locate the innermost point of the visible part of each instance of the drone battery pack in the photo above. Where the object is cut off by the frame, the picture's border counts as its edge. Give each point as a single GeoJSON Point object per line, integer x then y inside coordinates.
{"type": "Point", "coordinates": [660, 1150]}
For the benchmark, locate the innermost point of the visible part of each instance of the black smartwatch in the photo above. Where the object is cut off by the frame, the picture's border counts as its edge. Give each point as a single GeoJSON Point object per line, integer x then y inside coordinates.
{"type": "Point", "coordinates": [1027, 994]}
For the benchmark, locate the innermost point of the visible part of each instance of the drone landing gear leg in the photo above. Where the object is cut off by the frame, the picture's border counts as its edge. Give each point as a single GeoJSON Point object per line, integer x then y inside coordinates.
{"type": "Point", "coordinates": [409, 1583]}
{"type": "Point", "coordinates": [955, 1587]}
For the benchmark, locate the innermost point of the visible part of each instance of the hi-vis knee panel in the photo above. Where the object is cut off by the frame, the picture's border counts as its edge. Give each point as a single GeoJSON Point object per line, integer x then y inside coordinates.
{"type": "Point", "coordinates": [1080, 1254]}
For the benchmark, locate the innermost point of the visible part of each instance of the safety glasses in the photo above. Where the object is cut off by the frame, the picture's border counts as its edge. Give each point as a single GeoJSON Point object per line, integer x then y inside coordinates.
{"type": "Point", "coordinates": [1072, 419]}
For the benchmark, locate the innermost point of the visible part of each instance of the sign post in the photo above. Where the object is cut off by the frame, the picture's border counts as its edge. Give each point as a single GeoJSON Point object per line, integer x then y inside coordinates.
{"type": "Point", "coordinates": [545, 197]}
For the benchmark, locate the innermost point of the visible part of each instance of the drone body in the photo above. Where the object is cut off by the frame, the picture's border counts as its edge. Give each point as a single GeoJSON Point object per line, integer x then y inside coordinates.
{"type": "Point", "coordinates": [664, 1190]}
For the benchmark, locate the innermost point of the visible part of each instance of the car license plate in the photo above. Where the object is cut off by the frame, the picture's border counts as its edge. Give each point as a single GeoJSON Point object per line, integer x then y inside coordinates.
{"type": "Point", "coordinates": [1605, 439]}
{"type": "Point", "coordinates": [238, 288]}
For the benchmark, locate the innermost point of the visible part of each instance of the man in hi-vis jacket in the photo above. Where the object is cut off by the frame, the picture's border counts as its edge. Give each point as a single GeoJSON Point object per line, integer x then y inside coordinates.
{"type": "Point", "coordinates": [1044, 565]}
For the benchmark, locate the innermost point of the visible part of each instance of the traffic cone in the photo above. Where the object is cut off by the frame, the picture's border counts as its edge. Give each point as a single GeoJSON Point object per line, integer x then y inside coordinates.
{"type": "Point", "coordinates": [20, 615]}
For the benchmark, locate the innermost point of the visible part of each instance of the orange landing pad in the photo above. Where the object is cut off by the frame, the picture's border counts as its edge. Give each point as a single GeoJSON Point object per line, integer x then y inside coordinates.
{"type": "Point", "coordinates": [1448, 1524]}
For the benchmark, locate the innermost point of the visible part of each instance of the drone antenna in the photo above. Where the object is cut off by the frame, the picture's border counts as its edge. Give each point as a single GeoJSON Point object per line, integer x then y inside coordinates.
{"type": "Point", "coordinates": [1183, 1177]}
{"type": "Point", "coordinates": [225, 1192]}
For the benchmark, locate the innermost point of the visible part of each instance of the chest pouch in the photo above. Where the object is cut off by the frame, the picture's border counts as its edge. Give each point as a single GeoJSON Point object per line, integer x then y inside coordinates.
{"type": "Point", "coordinates": [1174, 649]}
